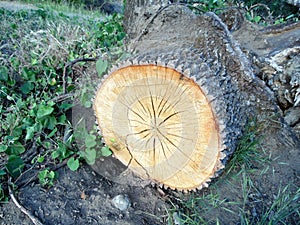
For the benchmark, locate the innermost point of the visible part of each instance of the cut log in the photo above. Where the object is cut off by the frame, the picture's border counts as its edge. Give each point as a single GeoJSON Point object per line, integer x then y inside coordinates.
{"type": "Point", "coordinates": [161, 124]}
{"type": "Point", "coordinates": [174, 112]}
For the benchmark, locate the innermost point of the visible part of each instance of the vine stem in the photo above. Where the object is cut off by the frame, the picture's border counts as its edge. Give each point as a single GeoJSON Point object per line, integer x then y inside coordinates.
{"type": "Point", "coordinates": [70, 64]}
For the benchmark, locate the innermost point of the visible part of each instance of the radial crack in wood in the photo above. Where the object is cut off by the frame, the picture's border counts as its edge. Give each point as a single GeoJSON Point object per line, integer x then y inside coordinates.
{"type": "Point", "coordinates": [161, 124]}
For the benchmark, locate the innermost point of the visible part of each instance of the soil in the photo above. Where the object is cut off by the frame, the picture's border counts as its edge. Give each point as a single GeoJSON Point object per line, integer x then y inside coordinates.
{"type": "Point", "coordinates": [86, 197]}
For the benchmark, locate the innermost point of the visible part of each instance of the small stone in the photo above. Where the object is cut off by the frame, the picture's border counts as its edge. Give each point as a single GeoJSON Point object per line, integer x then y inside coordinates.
{"type": "Point", "coordinates": [121, 202]}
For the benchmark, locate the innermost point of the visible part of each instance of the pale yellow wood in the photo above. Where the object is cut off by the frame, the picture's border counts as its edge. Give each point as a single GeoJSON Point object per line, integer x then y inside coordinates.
{"type": "Point", "coordinates": [160, 124]}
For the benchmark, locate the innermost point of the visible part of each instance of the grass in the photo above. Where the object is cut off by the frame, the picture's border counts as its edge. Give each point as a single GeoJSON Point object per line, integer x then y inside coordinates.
{"type": "Point", "coordinates": [248, 153]}
{"type": "Point", "coordinates": [283, 209]}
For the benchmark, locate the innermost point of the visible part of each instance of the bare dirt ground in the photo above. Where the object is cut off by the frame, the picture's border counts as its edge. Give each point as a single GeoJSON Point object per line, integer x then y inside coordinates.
{"type": "Point", "coordinates": [84, 197]}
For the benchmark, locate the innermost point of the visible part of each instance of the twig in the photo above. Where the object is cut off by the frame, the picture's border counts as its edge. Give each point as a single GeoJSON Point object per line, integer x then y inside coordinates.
{"type": "Point", "coordinates": [62, 98]}
{"type": "Point", "coordinates": [25, 211]}
{"type": "Point", "coordinates": [260, 5]}
{"type": "Point", "coordinates": [52, 168]}
{"type": "Point", "coordinates": [71, 64]}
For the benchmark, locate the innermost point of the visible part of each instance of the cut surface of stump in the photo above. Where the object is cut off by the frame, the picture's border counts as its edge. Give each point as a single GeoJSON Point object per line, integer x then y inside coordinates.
{"type": "Point", "coordinates": [160, 124]}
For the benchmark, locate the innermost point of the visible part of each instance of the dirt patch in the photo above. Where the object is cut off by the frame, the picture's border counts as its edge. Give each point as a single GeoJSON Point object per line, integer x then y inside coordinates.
{"type": "Point", "coordinates": [82, 197]}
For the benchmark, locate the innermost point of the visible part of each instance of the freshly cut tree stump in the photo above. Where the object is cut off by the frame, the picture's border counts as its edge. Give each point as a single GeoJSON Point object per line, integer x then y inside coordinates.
{"type": "Point", "coordinates": [174, 112]}
{"type": "Point", "coordinates": [161, 124]}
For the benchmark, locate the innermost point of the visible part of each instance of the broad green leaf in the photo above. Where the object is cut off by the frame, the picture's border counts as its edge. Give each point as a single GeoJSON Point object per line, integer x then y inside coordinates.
{"type": "Point", "coordinates": [29, 132]}
{"type": "Point", "coordinates": [3, 73]}
{"type": "Point", "coordinates": [51, 175]}
{"type": "Point", "coordinates": [90, 141]}
{"type": "Point", "coordinates": [27, 87]}
{"type": "Point", "coordinates": [40, 159]}
{"type": "Point", "coordinates": [3, 148]}
{"type": "Point", "coordinates": [73, 164]}
{"type": "Point", "coordinates": [50, 122]}
{"type": "Point", "coordinates": [28, 74]}
{"type": "Point", "coordinates": [85, 99]}
{"type": "Point", "coordinates": [44, 110]}
{"type": "Point", "coordinates": [105, 151]}
{"type": "Point", "coordinates": [90, 156]}
{"type": "Point", "coordinates": [43, 174]}
{"type": "Point", "coordinates": [62, 152]}
{"type": "Point", "coordinates": [17, 132]}
{"type": "Point", "coordinates": [62, 119]}
{"type": "Point", "coordinates": [101, 66]}
{"type": "Point", "coordinates": [55, 154]}
{"type": "Point", "coordinates": [2, 172]}
{"type": "Point", "coordinates": [14, 165]}
{"type": "Point", "coordinates": [65, 106]}
{"type": "Point", "coordinates": [15, 149]}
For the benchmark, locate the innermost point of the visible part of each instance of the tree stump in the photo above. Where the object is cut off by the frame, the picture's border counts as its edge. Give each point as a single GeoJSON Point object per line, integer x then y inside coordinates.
{"type": "Point", "coordinates": [174, 112]}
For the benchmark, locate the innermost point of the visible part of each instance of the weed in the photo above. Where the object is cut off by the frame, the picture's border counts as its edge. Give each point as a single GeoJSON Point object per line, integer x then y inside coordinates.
{"type": "Point", "coordinates": [47, 177]}
{"type": "Point", "coordinates": [284, 209]}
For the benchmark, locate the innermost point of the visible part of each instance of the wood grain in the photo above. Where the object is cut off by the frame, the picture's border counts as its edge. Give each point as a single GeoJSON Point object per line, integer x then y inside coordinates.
{"type": "Point", "coordinates": [161, 124]}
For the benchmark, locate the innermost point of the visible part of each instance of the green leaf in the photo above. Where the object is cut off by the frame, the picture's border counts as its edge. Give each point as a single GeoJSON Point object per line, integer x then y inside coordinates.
{"type": "Point", "coordinates": [51, 175]}
{"type": "Point", "coordinates": [50, 122]}
{"type": "Point", "coordinates": [85, 99]}
{"type": "Point", "coordinates": [27, 87]}
{"type": "Point", "coordinates": [89, 155]}
{"type": "Point", "coordinates": [65, 106]}
{"type": "Point", "coordinates": [3, 73]}
{"type": "Point", "coordinates": [46, 144]}
{"type": "Point", "coordinates": [40, 159]}
{"type": "Point", "coordinates": [62, 152]}
{"type": "Point", "coordinates": [44, 110]}
{"type": "Point", "coordinates": [14, 165]}
{"type": "Point", "coordinates": [62, 119]}
{"type": "Point", "coordinates": [73, 164]}
{"type": "Point", "coordinates": [3, 148]}
{"type": "Point", "coordinates": [55, 154]}
{"type": "Point", "coordinates": [90, 141]}
{"type": "Point", "coordinates": [17, 132]}
{"type": "Point", "coordinates": [52, 133]}
{"type": "Point", "coordinates": [43, 174]}
{"type": "Point", "coordinates": [105, 151]}
{"type": "Point", "coordinates": [28, 74]}
{"type": "Point", "coordinates": [2, 172]}
{"type": "Point", "coordinates": [101, 66]}
{"type": "Point", "coordinates": [15, 149]}
{"type": "Point", "coordinates": [29, 132]}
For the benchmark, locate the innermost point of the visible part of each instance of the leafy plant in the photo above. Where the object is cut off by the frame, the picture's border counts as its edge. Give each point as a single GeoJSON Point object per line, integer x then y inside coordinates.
{"type": "Point", "coordinates": [36, 93]}
{"type": "Point", "coordinates": [101, 66]}
{"type": "Point", "coordinates": [47, 177]}
{"type": "Point", "coordinates": [89, 144]}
